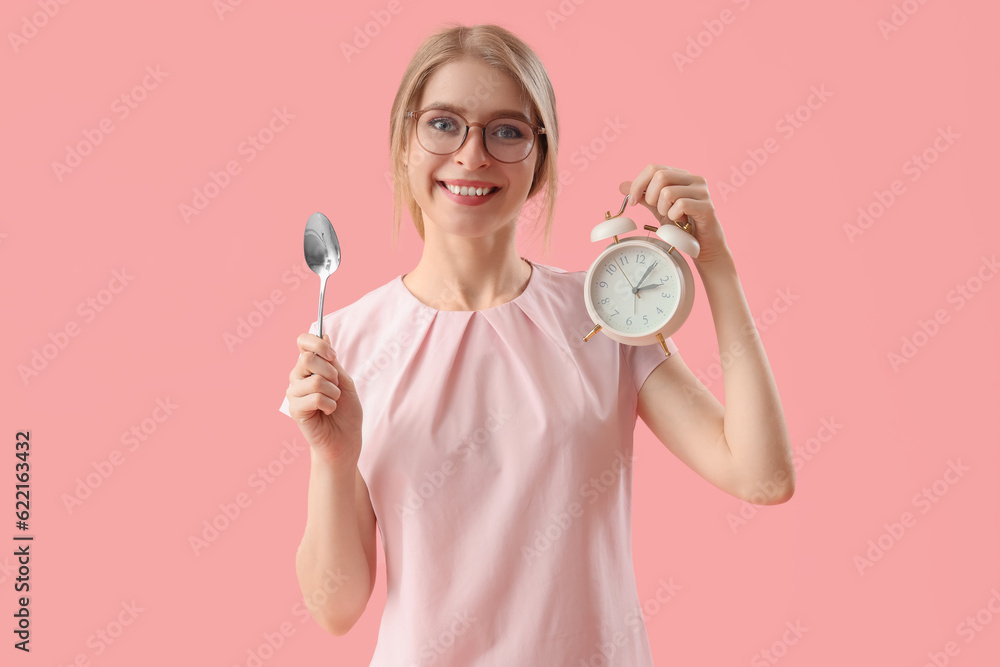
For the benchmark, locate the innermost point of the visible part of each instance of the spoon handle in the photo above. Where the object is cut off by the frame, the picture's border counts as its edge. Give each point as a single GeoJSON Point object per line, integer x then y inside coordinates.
{"type": "Point", "coordinates": [322, 293]}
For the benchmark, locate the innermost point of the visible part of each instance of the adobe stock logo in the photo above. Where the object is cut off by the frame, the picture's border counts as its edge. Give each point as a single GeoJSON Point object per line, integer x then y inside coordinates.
{"type": "Point", "coordinates": [604, 651]}
{"type": "Point", "coordinates": [923, 500]}
{"type": "Point", "coordinates": [104, 637]}
{"type": "Point", "coordinates": [104, 468]}
{"type": "Point", "coordinates": [581, 158]}
{"type": "Point", "coordinates": [249, 148]}
{"type": "Point", "coordinates": [30, 27]}
{"type": "Point", "coordinates": [381, 18]}
{"type": "Point", "coordinates": [926, 330]}
{"type": "Point", "coordinates": [298, 274]}
{"type": "Point", "coordinates": [223, 7]}
{"type": "Point", "coordinates": [422, 490]}
{"type": "Point", "coordinates": [714, 28]}
{"type": "Point", "coordinates": [801, 454]}
{"type": "Point", "coordinates": [762, 322]}
{"type": "Point", "coordinates": [786, 126]}
{"type": "Point", "coordinates": [272, 641]}
{"type": "Point", "coordinates": [898, 17]}
{"type": "Point", "coordinates": [86, 309]}
{"type": "Point", "coordinates": [563, 11]}
{"type": "Point", "coordinates": [122, 106]}
{"type": "Point", "coordinates": [434, 648]}
{"type": "Point", "coordinates": [778, 649]}
{"type": "Point", "coordinates": [915, 166]}
{"type": "Point", "coordinates": [560, 523]}
{"type": "Point", "coordinates": [665, 592]}
{"type": "Point", "coordinates": [968, 629]}
{"type": "Point", "coordinates": [259, 480]}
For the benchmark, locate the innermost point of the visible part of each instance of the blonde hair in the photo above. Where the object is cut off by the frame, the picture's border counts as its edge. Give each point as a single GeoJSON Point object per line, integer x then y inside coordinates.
{"type": "Point", "coordinates": [505, 52]}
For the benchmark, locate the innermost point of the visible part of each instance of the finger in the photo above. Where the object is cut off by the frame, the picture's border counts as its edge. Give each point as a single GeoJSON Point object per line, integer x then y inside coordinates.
{"type": "Point", "coordinates": [312, 364]}
{"type": "Point", "coordinates": [665, 203]}
{"type": "Point", "coordinates": [691, 209]}
{"type": "Point", "coordinates": [314, 384]}
{"type": "Point", "coordinates": [625, 187]}
{"type": "Point", "coordinates": [308, 342]}
{"type": "Point", "coordinates": [310, 361]}
{"type": "Point", "coordinates": [638, 187]}
{"type": "Point", "coordinates": [670, 194]}
{"type": "Point", "coordinates": [646, 187]}
{"type": "Point", "coordinates": [670, 177]}
{"type": "Point", "coordinates": [300, 407]}
{"type": "Point", "coordinates": [344, 380]}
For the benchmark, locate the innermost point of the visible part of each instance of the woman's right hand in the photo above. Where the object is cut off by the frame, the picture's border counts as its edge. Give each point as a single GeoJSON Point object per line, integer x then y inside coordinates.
{"type": "Point", "coordinates": [323, 400]}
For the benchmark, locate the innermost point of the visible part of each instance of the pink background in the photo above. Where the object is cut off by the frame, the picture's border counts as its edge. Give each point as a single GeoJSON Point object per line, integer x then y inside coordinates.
{"type": "Point", "coordinates": [162, 335]}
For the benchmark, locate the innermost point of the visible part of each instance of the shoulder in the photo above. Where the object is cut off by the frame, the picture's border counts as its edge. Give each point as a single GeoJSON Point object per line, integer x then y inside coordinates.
{"type": "Point", "coordinates": [558, 307]}
{"type": "Point", "coordinates": [561, 288]}
{"type": "Point", "coordinates": [350, 325]}
{"type": "Point", "coordinates": [370, 303]}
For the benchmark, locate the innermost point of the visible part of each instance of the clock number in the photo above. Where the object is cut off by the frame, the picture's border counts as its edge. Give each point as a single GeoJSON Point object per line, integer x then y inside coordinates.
{"type": "Point", "coordinates": [663, 280]}
{"type": "Point", "coordinates": [612, 269]}
{"type": "Point", "coordinates": [603, 301]}
{"type": "Point", "coordinates": [640, 258]}
{"type": "Point", "coordinates": [645, 320]}
{"type": "Point", "coordinates": [658, 310]}
{"type": "Point", "coordinates": [628, 322]}
{"type": "Point", "coordinates": [612, 314]}
{"type": "Point", "coordinates": [602, 284]}
{"type": "Point", "coordinates": [624, 259]}
{"type": "Point", "coordinates": [664, 295]}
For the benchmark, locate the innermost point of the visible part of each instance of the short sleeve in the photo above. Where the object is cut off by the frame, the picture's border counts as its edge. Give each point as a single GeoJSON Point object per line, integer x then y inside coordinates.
{"type": "Point", "coordinates": [313, 329]}
{"type": "Point", "coordinates": [642, 359]}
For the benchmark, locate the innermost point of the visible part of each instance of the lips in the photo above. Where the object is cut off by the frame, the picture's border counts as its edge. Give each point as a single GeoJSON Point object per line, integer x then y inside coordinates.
{"type": "Point", "coordinates": [471, 184]}
{"type": "Point", "coordinates": [467, 200]}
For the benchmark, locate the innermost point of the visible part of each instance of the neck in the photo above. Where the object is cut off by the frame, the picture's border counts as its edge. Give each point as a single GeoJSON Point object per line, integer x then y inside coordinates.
{"type": "Point", "coordinates": [463, 273]}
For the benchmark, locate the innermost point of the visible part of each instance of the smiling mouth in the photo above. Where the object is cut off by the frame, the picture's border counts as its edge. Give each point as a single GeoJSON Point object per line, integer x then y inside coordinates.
{"type": "Point", "coordinates": [468, 191]}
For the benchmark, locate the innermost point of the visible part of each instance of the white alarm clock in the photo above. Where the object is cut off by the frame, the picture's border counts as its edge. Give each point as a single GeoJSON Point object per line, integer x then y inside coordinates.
{"type": "Point", "coordinates": [639, 290]}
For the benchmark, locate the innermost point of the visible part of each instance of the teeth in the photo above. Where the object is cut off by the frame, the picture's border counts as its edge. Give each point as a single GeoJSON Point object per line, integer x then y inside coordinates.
{"type": "Point", "coordinates": [464, 190]}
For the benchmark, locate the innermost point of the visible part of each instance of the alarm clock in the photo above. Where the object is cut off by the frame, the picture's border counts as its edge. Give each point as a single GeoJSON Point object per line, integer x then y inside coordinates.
{"type": "Point", "coordinates": [639, 290]}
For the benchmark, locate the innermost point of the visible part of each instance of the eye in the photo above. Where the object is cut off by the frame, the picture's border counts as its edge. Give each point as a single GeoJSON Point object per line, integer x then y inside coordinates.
{"type": "Point", "coordinates": [442, 124]}
{"type": "Point", "coordinates": [508, 131]}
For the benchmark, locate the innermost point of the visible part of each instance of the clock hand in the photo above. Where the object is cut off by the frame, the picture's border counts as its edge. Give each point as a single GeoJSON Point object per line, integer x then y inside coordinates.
{"type": "Point", "coordinates": [645, 274]}
{"type": "Point", "coordinates": [635, 290]}
{"type": "Point", "coordinates": [626, 278]}
{"type": "Point", "coordinates": [647, 287]}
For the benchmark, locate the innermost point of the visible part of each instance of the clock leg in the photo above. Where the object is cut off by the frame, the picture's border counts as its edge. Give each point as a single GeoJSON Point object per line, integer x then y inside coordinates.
{"type": "Point", "coordinates": [592, 332]}
{"type": "Point", "coordinates": [663, 344]}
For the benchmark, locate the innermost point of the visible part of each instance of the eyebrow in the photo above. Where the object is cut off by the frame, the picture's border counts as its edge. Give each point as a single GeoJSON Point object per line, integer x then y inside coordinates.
{"type": "Point", "coordinates": [505, 113]}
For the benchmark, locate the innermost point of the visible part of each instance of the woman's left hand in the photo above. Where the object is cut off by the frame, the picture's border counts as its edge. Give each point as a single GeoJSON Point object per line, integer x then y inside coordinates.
{"type": "Point", "coordinates": [671, 194]}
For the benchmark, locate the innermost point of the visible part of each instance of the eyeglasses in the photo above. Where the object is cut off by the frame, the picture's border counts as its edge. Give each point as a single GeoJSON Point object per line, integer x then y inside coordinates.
{"type": "Point", "coordinates": [440, 132]}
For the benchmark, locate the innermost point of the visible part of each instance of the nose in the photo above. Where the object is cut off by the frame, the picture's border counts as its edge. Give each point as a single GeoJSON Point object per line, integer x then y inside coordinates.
{"type": "Point", "coordinates": [473, 153]}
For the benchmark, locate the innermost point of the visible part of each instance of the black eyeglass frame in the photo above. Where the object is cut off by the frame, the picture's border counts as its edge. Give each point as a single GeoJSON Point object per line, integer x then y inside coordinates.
{"type": "Point", "coordinates": [536, 130]}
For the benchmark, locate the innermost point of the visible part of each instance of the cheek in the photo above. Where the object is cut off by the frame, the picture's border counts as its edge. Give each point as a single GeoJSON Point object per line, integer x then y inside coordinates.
{"type": "Point", "coordinates": [423, 187]}
{"type": "Point", "coordinates": [526, 178]}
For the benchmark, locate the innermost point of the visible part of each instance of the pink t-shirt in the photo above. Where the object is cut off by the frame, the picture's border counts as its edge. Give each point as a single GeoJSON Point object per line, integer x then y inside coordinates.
{"type": "Point", "coordinates": [497, 449]}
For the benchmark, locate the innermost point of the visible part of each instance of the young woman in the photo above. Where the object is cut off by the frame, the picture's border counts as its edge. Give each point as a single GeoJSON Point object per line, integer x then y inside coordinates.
{"type": "Point", "coordinates": [496, 447]}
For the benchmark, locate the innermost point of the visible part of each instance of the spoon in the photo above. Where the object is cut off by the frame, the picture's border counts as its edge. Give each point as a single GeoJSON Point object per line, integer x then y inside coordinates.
{"type": "Point", "coordinates": [322, 253]}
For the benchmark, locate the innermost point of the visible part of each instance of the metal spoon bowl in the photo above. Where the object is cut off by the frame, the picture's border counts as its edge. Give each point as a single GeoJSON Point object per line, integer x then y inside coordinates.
{"type": "Point", "coordinates": [322, 250]}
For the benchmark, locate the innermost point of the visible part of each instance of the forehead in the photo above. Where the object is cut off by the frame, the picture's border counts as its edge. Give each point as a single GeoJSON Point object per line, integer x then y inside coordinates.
{"type": "Point", "coordinates": [474, 89]}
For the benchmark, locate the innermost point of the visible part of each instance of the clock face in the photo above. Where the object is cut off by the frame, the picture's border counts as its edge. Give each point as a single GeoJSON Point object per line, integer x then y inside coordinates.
{"type": "Point", "coordinates": [635, 289]}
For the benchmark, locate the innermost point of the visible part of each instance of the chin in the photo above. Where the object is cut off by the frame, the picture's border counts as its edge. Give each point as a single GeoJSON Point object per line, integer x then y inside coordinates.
{"type": "Point", "coordinates": [469, 225]}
